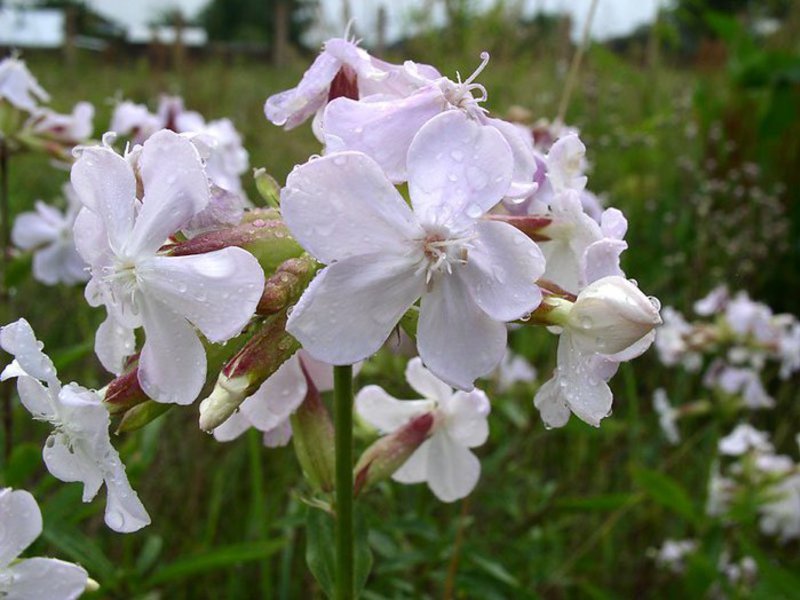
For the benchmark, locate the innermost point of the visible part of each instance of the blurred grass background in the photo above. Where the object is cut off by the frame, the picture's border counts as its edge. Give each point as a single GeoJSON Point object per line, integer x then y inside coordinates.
{"type": "Point", "coordinates": [709, 186]}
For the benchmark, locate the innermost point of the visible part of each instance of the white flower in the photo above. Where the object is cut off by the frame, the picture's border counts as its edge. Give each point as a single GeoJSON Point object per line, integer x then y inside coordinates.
{"type": "Point", "coordinates": [781, 515]}
{"type": "Point", "coordinates": [747, 317]}
{"type": "Point", "coordinates": [472, 275]}
{"type": "Point", "coordinates": [713, 303]}
{"type": "Point", "coordinates": [19, 87]}
{"type": "Point", "coordinates": [79, 448]}
{"type": "Point", "coordinates": [566, 162]}
{"type": "Point", "coordinates": [444, 460]}
{"type": "Point", "coordinates": [31, 578]}
{"type": "Point", "coordinates": [71, 129]}
{"type": "Point", "coordinates": [671, 341]}
{"type": "Point", "coordinates": [120, 236]}
{"type": "Point", "coordinates": [512, 369]}
{"type": "Point", "coordinates": [789, 350]}
{"type": "Point", "coordinates": [48, 232]}
{"type": "Point", "coordinates": [135, 120]}
{"type": "Point", "coordinates": [672, 554]}
{"type": "Point", "coordinates": [746, 382]}
{"type": "Point", "coordinates": [667, 416]}
{"type": "Point", "coordinates": [743, 439]}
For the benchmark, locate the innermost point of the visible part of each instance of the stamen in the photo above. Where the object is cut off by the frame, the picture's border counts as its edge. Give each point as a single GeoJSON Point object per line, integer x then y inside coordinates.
{"type": "Point", "coordinates": [481, 67]}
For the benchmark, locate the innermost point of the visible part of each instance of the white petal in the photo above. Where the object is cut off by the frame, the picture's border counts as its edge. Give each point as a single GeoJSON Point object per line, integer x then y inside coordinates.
{"type": "Point", "coordinates": [453, 471]}
{"type": "Point", "coordinates": [124, 511]}
{"type": "Point", "coordinates": [47, 579]}
{"type": "Point", "coordinates": [601, 259]}
{"type": "Point", "coordinates": [467, 417]}
{"type": "Point", "coordinates": [321, 373]}
{"type": "Point", "coordinates": [520, 140]}
{"type": "Point", "coordinates": [551, 403]}
{"type": "Point", "coordinates": [21, 525]}
{"type": "Point", "coordinates": [172, 365]}
{"type": "Point", "coordinates": [585, 388]}
{"type": "Point", "coordinates": [113, 343]}
{"type": "Point", "coordinates": [415, 469]}
{"type": "Point", "coordinates": [277, 398]}
{"type": "Point", "coordinates": [73, 464]}
{"type": "Point", "coordinates": [217, 291]}
{"type": "Point", "coordinates": [387, 413]}
{"type": "Point", "coordinates": [89, 235]}
{"type": "Point", "coordinates": [457, 341]}
{"type": "Point", "coordinates": [105, 184]}
{"type": "Point", "coordinates": [175, 189]}
{"type": "Point", "coordinates": [381, 129]}
{"type": "Point", "coordinates": [502, 270]}
{"type": "Point", "coordinates": [342, 205]}
{"type": "Point", "coordinates": [425, 382]}
{"type": "Point", "coordinates": [457, 170]}
{"type": "Point", "coordinates": [232, 428]}
{"type": "Point", "coordinates": [36, 398]}
{"type": "Point", "coordinates": [31, 230]}
{"type": "Point", "coordinates": [18, 339]}
{"type": "Point", "coordinates": [279, 435]}
{"type": "Point", "coordinates": [351, 307]}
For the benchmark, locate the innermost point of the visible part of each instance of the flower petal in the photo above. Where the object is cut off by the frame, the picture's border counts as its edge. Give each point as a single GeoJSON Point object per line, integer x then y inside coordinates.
{"type": "Point", "coordinates": [50, 578]}
{"type": "Point", "coordinates": [22, 523]}
{"type": "Point", "coordinates": [321, 373]}
{"type": "Point", "coordinates": [551, 404]}
{"type": "Point", "coordinates": [172, 365]}
{"type": "Point", "coordinates": [217, 291]}
{"type": "Point", "coordinates": [279, 435]}
{"type": "Point", "coordinates": [387, 413]}
{"type": "Point", "coordinates": [450, 324]}
{"type": "Point", "coordinates": [415, 469]}
{"type": "Point", "coordinates": [382, 129]}
{"type": "Point", "coordinates": [125, 513]}
{"type": "Point", "coordinates": [105, 184]}
{"type": "Point", "coordinates": [502, 270]}
{"type": "Point", "coordinates": [351, 307]}
{"type": "Point", "coordinates": [520, 140]}
{"type": "Point", "coordinates": [457, 170]}
{"type": "Point", "coordinates": [73, 463]}
{"type": "Point", "coordinates": [113, 343]}
{"type": "Point", "coordinates": [277, 398]}
{"type": "Point", "coordinates": [175, 189]}
{"type": "Point", "coordinates": [89, 236]}
{"type": "Point", "coordinates": [31, 230]}
{"type": "Point", "coordinates": [425, 382]}
{"type": "Point", "coordinates": [35, 398]}
{"type": "Point", "coordinates": [467, 417]}
{"type": "Point", "coordinates": [342, 205]}
{"type": "Point", "coordinates": [232, 428]}
{"type": "Point", "coordinates": [18, 339]}
{"type": "Point", "coordinates": [453, 471]}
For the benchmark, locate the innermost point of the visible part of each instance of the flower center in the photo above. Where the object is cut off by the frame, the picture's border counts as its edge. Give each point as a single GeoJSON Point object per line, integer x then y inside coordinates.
{"type": "Point", "coordinates": [441, 251]}
{"type": "Point", "coordinates": [460, 95]}
{"type": "Point", "coordinates": [121, 280]}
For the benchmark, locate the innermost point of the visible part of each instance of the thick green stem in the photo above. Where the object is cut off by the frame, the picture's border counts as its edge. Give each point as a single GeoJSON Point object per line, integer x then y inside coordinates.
{"type": "Point", "coordinates": [343, 423]}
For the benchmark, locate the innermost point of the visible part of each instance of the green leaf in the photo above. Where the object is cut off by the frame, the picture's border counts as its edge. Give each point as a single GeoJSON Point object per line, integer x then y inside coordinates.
{"type": "Point", "coordinates": [217, 558]}
{"type": "Point", "coordinates": [666, 491]}
{"type": "Point", "coordinates": [599, 502]}
{"type": "Point", "coordinates": [495, 570]}
{"type": "Point", "coordinates": [25, 460]}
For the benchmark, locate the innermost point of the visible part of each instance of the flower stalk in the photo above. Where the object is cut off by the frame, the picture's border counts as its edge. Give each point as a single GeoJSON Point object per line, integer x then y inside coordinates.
{"type": "Point", "coordinates": [343, 423]}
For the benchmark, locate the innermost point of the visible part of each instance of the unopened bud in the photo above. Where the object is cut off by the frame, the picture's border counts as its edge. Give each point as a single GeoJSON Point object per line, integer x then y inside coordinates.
{"type": "Point", "coordinates": [531, 225]}
{"type": "Point", "coordinates": [389, 453]}
{"type": "Point", "coordinates": [313, 439]}
{"type": "Point", "coordinates": [611, 314]}
{"type": "Point", "coordinates": [140, 415]}
{"type": "Point", "coordinates": [284, 287]}
{"type": "Point", "coordinates": [267, 187]}
{"type": "Point", "coordinates": [262, 355]}
{"type": "Point", "coordinates": [125, 392]}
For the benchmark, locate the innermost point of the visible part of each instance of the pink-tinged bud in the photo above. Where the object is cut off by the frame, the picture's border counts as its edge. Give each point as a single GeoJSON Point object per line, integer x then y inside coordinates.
{"type": "Point", "coordinates": [262, 234]}
{"type": "Point", "coordinates": [389, 453]}
{"type": "Point", "coordinates": [531, 225]}
{"type": "Point", "coordinates": [258, 359]}
{"type": "Point", "coordinates": [313, 439]}
{"type": "Point", "coordinates": [124, 392]}
{"type": "Point", "coordinates": [140, 415]}
{"type": "Point", "coordinates": [344, 85]}
{"type": "Point", "coordinates": [286, 285]}
{"type": "Point", "coordinates": [611, 314]}
{"type": "Point", "coordinates": [267, 187]}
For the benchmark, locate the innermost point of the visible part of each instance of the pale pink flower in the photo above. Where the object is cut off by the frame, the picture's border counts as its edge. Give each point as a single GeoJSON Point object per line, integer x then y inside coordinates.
{"type": "Point", "coordinates": [19, 87]}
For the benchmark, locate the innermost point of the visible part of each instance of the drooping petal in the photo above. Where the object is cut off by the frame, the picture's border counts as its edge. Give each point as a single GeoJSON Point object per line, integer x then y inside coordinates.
{"type": "Point", "coordinates": [35, 398]}
{"type": "Point", "coordinates": [232, 428]}
{"type": "Point", "coordinates": [342, 205]}
{"type": "Point", "coordinates": [457, 170]}
{"type": "Point", "coordinates": [172, 365]}
{"type": "Point", "coordinates": [105, 184]}
{"type": "Point", "coordinates": [387, 413]}
{"type": "Point", "coordinates": [425, 382]}
{"type": "Point", "coordinates": [113, 343]}
{"type": "Point", "coordinates": [125, 513]}
{"type": "Point", "coordinates": [73, 462]}
{"type": "Point", "coordinates": [217, 291]}
{"type": "Point", "coordinates": [601, 259]}
{"type": "Point", "coordinates": [22, 523]}
{"type": "Point", "coordinates": [467, 417]}
{"type": "Point", "coordinates": [585, 389]}
{"type": "Point", "coordinates": [381, 128]}
{"type": "Point", "coordinates": [351, 307]}
{"type": "Point", "coordinates": [321, 373]}
{"type": "Point", "coordinates": [279, 435]}
{"type": "Point", "coordinates": [551, 404]}
{"type": "Point", "coordinates": [50, 578]}
{"type": "Point", "coordinates": [18, 339]}
{"type": "Point", "coordinates": [175, 189]}
{"type": "Point", "coordinates": [450, 325]}
{"type": "Point", "coordinates": [277, 398]}
{"type": "Point", "coordinates": [502, 270]}
{"type": "Point", "coordinates": [453, 470]}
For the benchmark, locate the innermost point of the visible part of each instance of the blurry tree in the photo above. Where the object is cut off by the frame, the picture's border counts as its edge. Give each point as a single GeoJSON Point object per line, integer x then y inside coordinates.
{"type": "Point", "coordinates": [84, 20]}
{"type": "Point", "coordinates": [255, 20]}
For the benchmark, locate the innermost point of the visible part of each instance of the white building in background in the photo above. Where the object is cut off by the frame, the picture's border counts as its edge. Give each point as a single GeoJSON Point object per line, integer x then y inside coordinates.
{"type": "Point", "coordinates": [40, 28]}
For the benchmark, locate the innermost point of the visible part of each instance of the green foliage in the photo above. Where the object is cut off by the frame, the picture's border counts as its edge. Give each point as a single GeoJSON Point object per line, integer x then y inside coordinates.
{"type": "Point", "coordinates": [253, 20]}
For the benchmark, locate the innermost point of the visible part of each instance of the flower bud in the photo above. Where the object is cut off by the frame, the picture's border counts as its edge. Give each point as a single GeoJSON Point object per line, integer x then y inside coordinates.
{"type": "Point", "coordinates": [389, 453]}
{"type": "Point", "coordinates": [259, 358]}
{"type": "Point", "coordinates": [531, 225]}
{"type": "Point", "coordinates": [610, 315]}
{"type": "Point", "coordinates": [140, 415]}
{"type": "Point", "coordinates": [313, 439]}
{"type": "Point", "coordinates": [287, 284]}
{"type": "Point", "coordinates": [267, 187]}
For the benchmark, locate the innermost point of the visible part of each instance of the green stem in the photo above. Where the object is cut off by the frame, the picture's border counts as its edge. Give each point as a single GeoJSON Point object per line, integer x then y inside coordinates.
{"type": "Point", "coordinates": [343, 423]}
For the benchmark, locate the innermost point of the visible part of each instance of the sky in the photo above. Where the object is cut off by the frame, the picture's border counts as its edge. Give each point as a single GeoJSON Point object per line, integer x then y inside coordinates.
{"type": "Point", "coordinates": [613, 17]}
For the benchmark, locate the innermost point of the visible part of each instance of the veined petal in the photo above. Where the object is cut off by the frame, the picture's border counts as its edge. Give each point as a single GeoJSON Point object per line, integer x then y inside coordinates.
{"type": "Point", "coordinates": [457, 170]}
{"type": "Point", "coordinates": [277, 398]}
{"type": "Point", "coordinates": [217, 291]}
{"type": "Point", "coordinates": [351, 307]}
{"type": "Point", "coordinates": [38, 578]}
{"type": "Point", "coordinates": [22, 523]}
{"type": "Point", "coordinates": [105, 184]}
{"type": "Point", "coordinates": [382, 129]}
{"type": "Point", "coordinates": [387, 413]}
{"type": "Point", "coordinates": [453, 470]}
{"type": "Point", "coordinates": [175, 189]}
{"type": "Point", "coordinates": [172, 365]}
{"type": "Point", "coordinates": [113, 343]}
{"type": "Point", "coordinates": [502, 270]}
{"type": "Point", "coordinates": [467, 417]}
{"type": "Point", "coordinates": [450, 324]}
{"type": "Point", "coordinates": [425, 382]}
{"type": "Point", "coordinates": [342, 205]}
